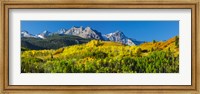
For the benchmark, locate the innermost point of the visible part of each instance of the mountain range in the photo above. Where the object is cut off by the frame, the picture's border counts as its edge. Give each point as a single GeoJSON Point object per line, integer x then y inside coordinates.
{"type": "Point", "coordinates": [85, 33]}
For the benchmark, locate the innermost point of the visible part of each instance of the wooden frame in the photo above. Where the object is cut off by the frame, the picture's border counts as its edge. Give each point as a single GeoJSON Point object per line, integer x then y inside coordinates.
{"type": "Point", "coordinates": [6, 88]}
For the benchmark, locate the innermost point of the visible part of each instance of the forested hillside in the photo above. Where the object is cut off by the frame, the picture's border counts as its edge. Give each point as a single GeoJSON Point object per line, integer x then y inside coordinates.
{"type": "Point", "coordinates": [51, 42]}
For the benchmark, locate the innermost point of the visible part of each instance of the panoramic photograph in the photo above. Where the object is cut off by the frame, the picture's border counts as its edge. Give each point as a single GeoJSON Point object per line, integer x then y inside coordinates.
{"type": "Point", "coordinates": [99, 46]}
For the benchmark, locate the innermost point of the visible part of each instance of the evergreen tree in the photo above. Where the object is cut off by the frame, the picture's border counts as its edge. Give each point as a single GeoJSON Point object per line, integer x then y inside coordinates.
{"type": "Point", "coordinates": [177, 41]}
{"type": "Point", "coordinates": [154, 41]}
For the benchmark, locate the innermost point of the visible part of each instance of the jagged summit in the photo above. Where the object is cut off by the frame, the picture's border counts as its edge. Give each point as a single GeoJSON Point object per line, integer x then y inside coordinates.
{"type": "Point", "coordinates": [61, 31]}
{"type": "Point", "coordinates": [84, 32]}
{"type": "Point", "coordinates": [116, 33]}
{"type": "Point", "coordinates": [119, 36]}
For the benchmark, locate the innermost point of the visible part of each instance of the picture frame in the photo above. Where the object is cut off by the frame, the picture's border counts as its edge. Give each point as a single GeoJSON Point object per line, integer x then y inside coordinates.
{"type": "Point", "coordinates": [110, 4]}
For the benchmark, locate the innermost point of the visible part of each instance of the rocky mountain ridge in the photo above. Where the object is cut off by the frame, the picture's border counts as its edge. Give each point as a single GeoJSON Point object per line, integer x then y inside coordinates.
{"type": "Point", "coordinates": [88, 32]}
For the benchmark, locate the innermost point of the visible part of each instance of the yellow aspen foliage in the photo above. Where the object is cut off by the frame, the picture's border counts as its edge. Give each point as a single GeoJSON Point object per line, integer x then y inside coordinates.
{"type": "Point", "coordinates": [33, 52]}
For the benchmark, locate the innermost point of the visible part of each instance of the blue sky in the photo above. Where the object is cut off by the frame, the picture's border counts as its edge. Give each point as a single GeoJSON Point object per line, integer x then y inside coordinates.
{"type": "Point", "coordinates": [139, 30]}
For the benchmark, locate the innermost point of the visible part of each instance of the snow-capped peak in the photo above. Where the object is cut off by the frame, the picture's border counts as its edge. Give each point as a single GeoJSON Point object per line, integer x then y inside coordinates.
{"type": "Point", "coordinates": [119, 36]}
{"type": "Point", "coordinates": [26, 34]}
{"type": "Point", "coordinates": [119, 33]}
{"type": "Point", "coordinates": [88, 28]}
{"type": "Point", "coordinates": [45, 31]}
{"type": "Point", "coordinates": [44, 34]}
